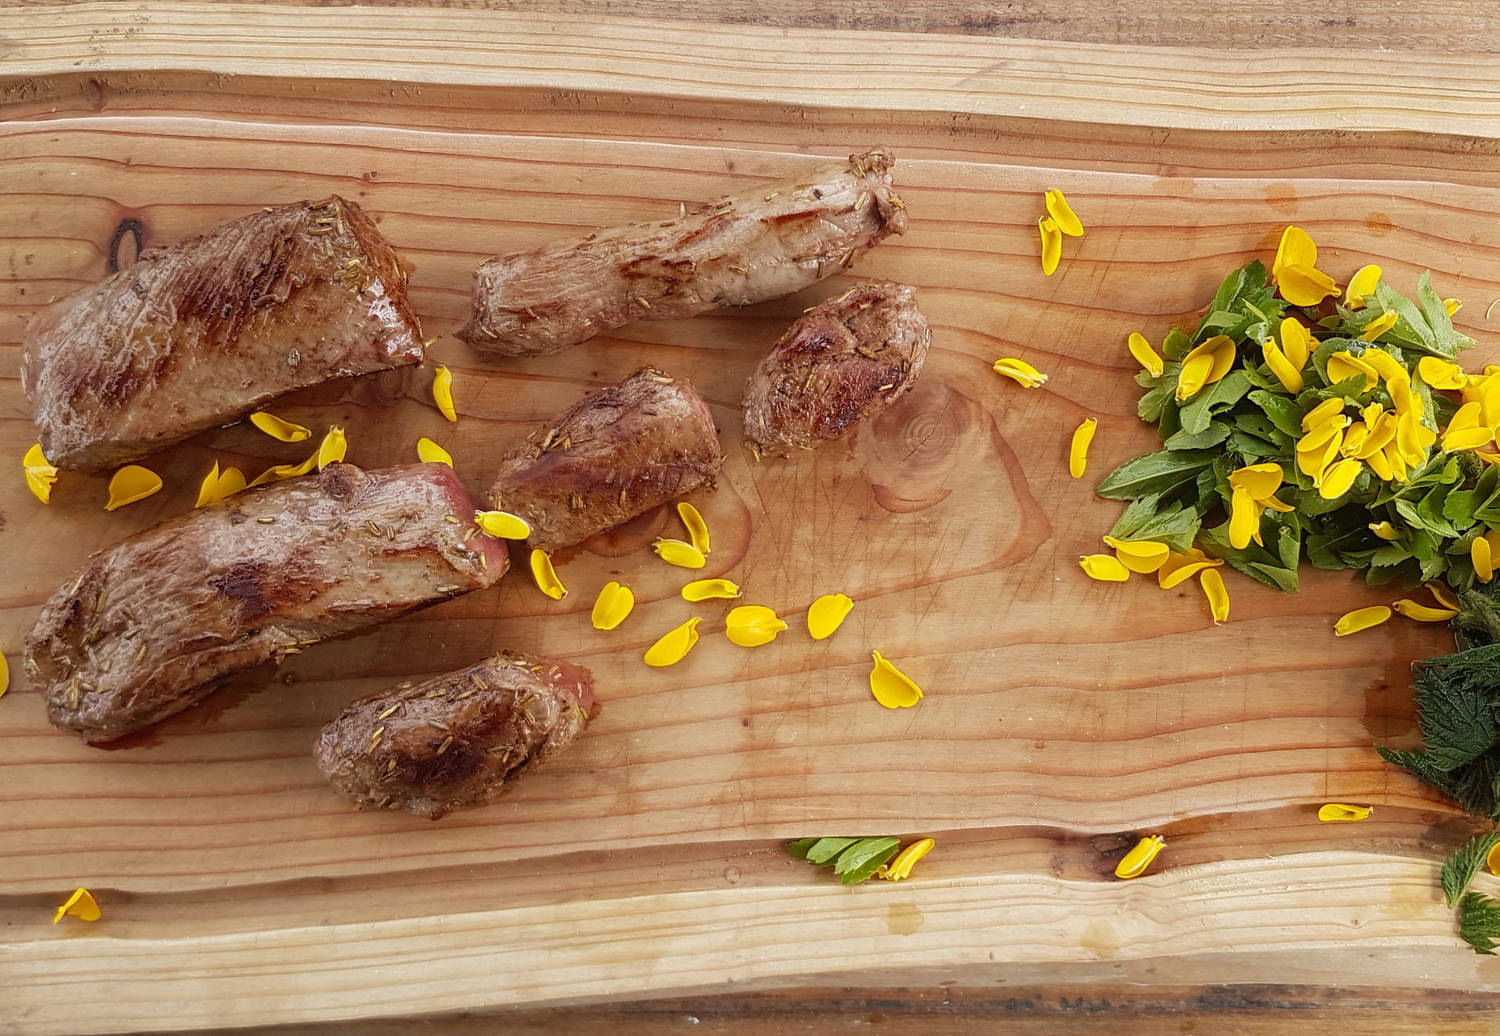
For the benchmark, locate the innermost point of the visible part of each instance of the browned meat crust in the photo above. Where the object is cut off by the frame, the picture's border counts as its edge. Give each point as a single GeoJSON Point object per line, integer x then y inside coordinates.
{"type": "Point", "coordinates": [842, 362]}
{"type": "Point", "coordinates": [748, 248]}
{"type": "Point", "coordinates": [454, 740]}
{"type": "Point", "coordinates": [196, 334]}
{"type": "Point", "coordinates": [614, 455]}
{"type": "Point", "coordinates": [148, 625]}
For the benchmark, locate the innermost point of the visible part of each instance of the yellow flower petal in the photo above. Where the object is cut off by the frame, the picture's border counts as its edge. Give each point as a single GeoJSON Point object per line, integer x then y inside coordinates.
{"type": "Point", "coordinates": [1360, 285]}
{"type": "Point", "coordinates": [1403, 399]}
{"type": "Point", "coordinates": [1296, 342]}
{"type": "Point", "coordinates": [1217, 594]}
{"type": "Point", "coordinates": [1385, 530]}
{"type": "Point", "coordinates": [1467, 439]}
{"type": "Point", "coordinates": [1361, 619]}
{"type": "Point", "coordinates": [1452, 306]}
{"type": "Point", "coordinates": [1295, 248]}
{"type": "Point", "coordinates": [1378, 435]}
{"type": "Point", "coordinates": [899, 869]}
{"type": "Point", "coordinates": [1179, 568]}
{"type": "Point", "coordinates": [1078, 450]}
{"type": "Point", "coordinates": [1244, 519]}
{"type": "Point", "coordinates": [696, 527]}
{"type": "Point", "coordinates": [1385, 365]}
{"type": "Point", "coordinates": [280, 471]}
{"type": "Point", "coordinates": [278, 428]}
{"type": "Point", "coordinates": [442, 392]}
{"type": "Point", "coordinates": [503, 525]}
{"type": "Point", "coordinates": [1443, 595]}
{"type": "Point", "coordinates": [827, 614]}
{"type": "Point", "coordinates": [1144, 556]}
{"type": "Point", "coordinates": [709, 589]}
{"type": "Point", "coordinates": [1289, 376]}
{"type": "Point", "coordinates": [1339, 478]}
{"type": "Point", "coordinates": [1192, 376]}
{"type": "Point", "coordinates": [1259, 480]}
{"type": "Point", "coordinates": [1021, 372]}
{"type": "Point", "coordinates": [1377, 327]}
{"type": "Point", "coordinates": [1483, 559]}
{"type": "Point", "coordinates": [1334, 812]}
{"type": "Point", "coordinates": [80, 904]}
{"type": "Point", "coordinates": [1322, 413]}
{"type": "Point", "coordinates": [1316, 441]}
{"type": "Point", "coordinates": [1134, 863]}
{"type": "Point", "coordinates": [890, 686]}
{"type": "Point", "coordinates": [208, 486]}
{"type": "Point", "coordinates": [131, 483]}
{"type": "Point", "coordinates": [613, 604]}
{"type": "Point", "coordinates": [1492, 860]}
{"type": "Point", "coordinates": [1305, 285]}
{"type": "Point", "coordinates": [751, 625]}
{"type": "Point", "coordinates": [1105, 568]}
{"type": "Point", "coordinates": [40, 475]}
{"type": "Point", "coordinates": [1051, 245]}
{"type": "Point", "coordinates": [1423, 612]}
{"type": "Point", "coordinates": [1146, 356]}
{"type": "Point", "coordinates": [4, 676]}
{"type": "Point", "coordinates": [1343, 365]}
{"type": "Point", "coordinates": [546, 576]}
{"type": "Point", "coordinates": [1062, 214]}
{"type": "Point", "coordinates": [679, 553]}
{"type": "Point", "coordinates": [1220, 352]}
{"type": "Point", "coordinates": [429, 452]}
{"type": "Point", "coordinates": [332, 448]}
{"type": "Point", "coordinates": [672, 647]}
{"type": "Point", "coordinates": [219, 485]}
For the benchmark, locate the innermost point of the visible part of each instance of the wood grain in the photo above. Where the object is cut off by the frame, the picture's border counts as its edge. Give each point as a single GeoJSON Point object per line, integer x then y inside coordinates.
{"type": "Point", "coordinates": [1061, 717]}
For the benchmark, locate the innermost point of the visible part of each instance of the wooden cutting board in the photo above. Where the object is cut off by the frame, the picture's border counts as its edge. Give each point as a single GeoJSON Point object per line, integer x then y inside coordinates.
{"type": "Point", "coordinates": [1062, 718]}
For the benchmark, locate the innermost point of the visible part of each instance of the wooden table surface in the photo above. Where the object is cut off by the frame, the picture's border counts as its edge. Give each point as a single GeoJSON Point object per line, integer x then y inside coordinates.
{"type": "Point", "coordinates": [641, 883]}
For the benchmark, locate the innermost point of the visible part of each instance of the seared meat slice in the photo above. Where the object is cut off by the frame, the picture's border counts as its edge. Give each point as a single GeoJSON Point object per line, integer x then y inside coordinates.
{"type": "Point", "coordinates": [193, 335]}
{"type": "Point", "coordinates": [454, 740]}
{"type": "Point", "coordinates": [750, 247]}
{"type": "Point", "coordinates": [843, 361]}
{"type": "Point", "coordinates": [148, 625]}
{"type": "Point", "coordinates": [614, 455]}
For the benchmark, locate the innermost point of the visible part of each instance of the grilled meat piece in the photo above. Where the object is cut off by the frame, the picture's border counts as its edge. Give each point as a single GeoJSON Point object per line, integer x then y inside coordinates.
{"type": "Point", "coordinates": [750, 247]}
{"type": "Point", "coordinates": [842, 362]}
{"type": "Point", "coordinates": [614, 455]}
{"type": "Point", "coordinates": [454, 740]}
{"type": "Point", "coordinates": [148, 626]}
{"type": "Point", "coordinates": [196, 334]}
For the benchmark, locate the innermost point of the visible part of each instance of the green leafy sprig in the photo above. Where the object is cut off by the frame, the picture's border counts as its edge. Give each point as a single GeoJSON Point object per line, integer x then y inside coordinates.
{"type": "Point", "coordinates": [853, 859]}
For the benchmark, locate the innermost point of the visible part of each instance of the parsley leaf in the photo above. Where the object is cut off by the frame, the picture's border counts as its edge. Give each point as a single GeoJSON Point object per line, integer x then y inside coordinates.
{"type": "Point", "coordinates": [1459, 869]}
{"type": "Point", "coordinates": [1479, 922]}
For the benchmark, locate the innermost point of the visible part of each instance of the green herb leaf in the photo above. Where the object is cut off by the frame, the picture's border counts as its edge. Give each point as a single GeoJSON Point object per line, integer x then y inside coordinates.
{"type": "Point", "coordinates": [799, 848]}
{"type": "Point", "coordinates": [1159, 472]}
{"type": "Point", "coordinates": [1479, 922]}
{"type": "Point", "coordinates": [1456, 705]}
{"type": "Point", "coordinates": [1459, 869]}
{"type": "Point", "coordinates": [1220, 396]}
{"type": "Point", "coordinates": [864, 858]}
{"type": "Point", "coordinates": [824, 850]}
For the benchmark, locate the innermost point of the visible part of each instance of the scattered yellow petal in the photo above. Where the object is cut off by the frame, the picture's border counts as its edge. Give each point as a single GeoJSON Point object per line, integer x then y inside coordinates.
{"type": "Point", "coordinates": [1078, 451]}
{"type": "Point", "coordinates": [219, 485]}
{"type": "Point", "coordinates": [612, 605]}
{"type": "Point", "coordinates": [1244, 518]}
{"type": "Point", "coordinates": [1377, 327]}
{"type": "Point", "coordinates": [696, 527]}
{"type": "Point", "coordinates": [1423, 612]}
{"type": "Point", "coordinates": [131, 483]}
{"type": "Point", "coordinates": [899, 869]}
{"type": "Point", "coordinates": [1051, 244]}
{"type": "Point", "coordinates": [890, 686]}
{"type": "Point", "coordinates": [673, 646]}
{"type": "Point", "coordinates": [1295, 248]}
{"type": "Point", "coordinates": [1289, 376]}
{"type": "Point", "coordinates": [279, 428]}
{"type": "Point", "coordinates": [1452, 306]}
{"type": "Point", "coordinates": [1443, 594]}
{"type": "Point", "coordinates": [827, 614]}
{"type": "Point", "coordinates": [1320, 414]}
{"type": "Point", "coordinates": [709, 589]}
{"type": "Point", "coordinates": [751, 625]}
{"type": "Point", "coordinates": [1146, 356]}
{"type": "Point", "coordinates": [281, 471]}
{"type": "Point", "coordinates": [546, 576]}
{"type": "Point", "coordinates": [1062, 214]}
{"type": "Point", "coordinates": [1218, 596]}
{"type": "Point", "coordinates": [1360, 285]}
{"type": "Point", "coordinates": [1492, 860]}
{"type": "Point", "coordinates": [503, 525]}
{"type": "Point", "coordinates": [1385, 530]}
{"type": "Point", "coordinates": [1333, 812]}
{"type": "Point", "coordinates": [1219, 352]}
{"type": "Point", "coordinates": [1021, 372]}
{"type": "Point", "coordinates": [442, 392]}
{"type": "Point", "coordinates": [1339, 478]}
{"type": "Point", "coordinates": [679, 553]}
{"type": "Point", "coordinates": [1296, 342]}
{"type": "Point", "coordinates": [1181, 567]}
{"type": "Point", "coordinates": [1134, 863]}
{"type": "Point", "coordinates": [1361, 619]}
{"type": "Point", "coordinates": [1480, 555]}
{"type": "Point", "coordinates": [1191, 377]}
{"type": "Point", "coordinates": [80, 905]}
{"type": "Point", "coordinates": [332, 448]}
{"type": "Point", "coordinates": [1343, 365]}
{"type": "Point", "coordinates": [429, 452]}
{"type": "Point", "coordinates": [1144, 556]}
{"type": "Point", "coordinates": [1105, 568]}
{"type": "Point", "coordinates": [4, 676]}
{"type": "Point", "coordinates": [40, 475]}
{"type": "Point", "coordinates": [1305, 285]}
{"type": "Point", "coordinates": [208, 487]}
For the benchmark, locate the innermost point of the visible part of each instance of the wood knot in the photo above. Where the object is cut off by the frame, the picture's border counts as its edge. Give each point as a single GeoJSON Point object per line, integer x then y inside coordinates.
{"type": "Point", "coordinates": [911, 449]}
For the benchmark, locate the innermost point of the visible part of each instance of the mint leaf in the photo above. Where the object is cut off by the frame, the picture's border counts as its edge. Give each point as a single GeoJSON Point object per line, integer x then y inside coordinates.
{"type": "Point", "coordinates": [1459, 868]}
{"type": "Point", "coordinates": [1479, 922]}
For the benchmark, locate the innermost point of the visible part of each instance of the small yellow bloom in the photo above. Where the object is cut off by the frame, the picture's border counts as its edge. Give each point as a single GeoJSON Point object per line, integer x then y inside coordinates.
{"type": "Point", "coordinates": [1339, 478]}
{"type": "Point", "coordinates": [1244, 519]}
{"type": "Point", "coordinates": [1104, 568]}
{"type": "Point", "coordinates": [1377, 436]}
{"type": "Point", "coordinates": [1146, 356]}
{"type": "Point", "coordinates": [503, 525]}
{"type": "Point", "coordinates": [890, 686]}
{"type": "Point", "coordinates": [1361, 285]}
{"type": "Point", "coordinates": [1377, 327]}
{"type": "Point", "coordinates": [429, 452]}
{"type": "Point", "coordinates": [1261, 481]}
{"type": "Point", "coordinates": [1423, 612]}
{"type": "Point", "coordinates": [131, 483]}
{"type": "Point", "coordinates": [1143, 556]}
{"type": "Point", "coordinates": [1316, 441]}
{"type": "Point", "coordinates": [219, 485]}
{"type": "Point", "coordinates": [827, 614]}
{"type": "Point", "coordinates": [697, 528]}
{"type": "Point", "coordinates": [80, 904]}
{"type": "Point", "coordinates": [1021, 372]}
{"type": "Point", "coordinates": [1361, 619]}
{"type": "Point", "coordinates": [442, 392]}
{"type": "Point", "coordinates": [1333, 812]}
{"type": "Point", "coordinates": [679, 553]}
{"type": "Point", "coordinates": [1483, 559]}
{"type": "Point", "coordinates": [899, 869]}
{"type": "Point", "coordinates": [1217, 594]}
{"type": "Point", "coordinates": [673, 646]}
{"type": "Point", "coordinates": [1296, 342]}
{"type": "Point", "coordinates": [611, 607]}
{"type": "Point", "coordinates": [278, 428]}
{"type": "Point", "coordinates": [277, 472]}
{"type": "Point", "coordinates": [1296, 248]}
{"type": "Point", "coordinates": [1354, 439]}
{"type": "Point", "coordinates": [1322, 413]}
{"type": "Point", "coordinates": [1289, 376]}
{"type": "Point", "coordinates": [1205, 364]}
{"type": "Point", "coordinates": [1385, 530]}
{"type": "Point", "coordinates": [1134, 863]}
{"type": "Point", "coordinates": [1051, 244]}
{"type": "Point", "coordinates": [1062, 214]}
{"type": "Point", "coordinates": [1179, 568]}
{"type": "Point", "coordinates": [332, 448]}
{"type": "Point", "coordinates": [751, 625]}
{"type": "Point", "coordinates": [1078, 451]}
{"type": "Point", "coordinates": [1452, 306]}
{"type": "Point", "coordinates": [1403, 399]}
{"type": "Point", "coordinates": [40, 475]}
{"type": "Point", "coordinates": [1343, 365]}
{"type": "Point", "coordinates": [546, 576]}
{"type": "Point", "coordinates": [709, 589]}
